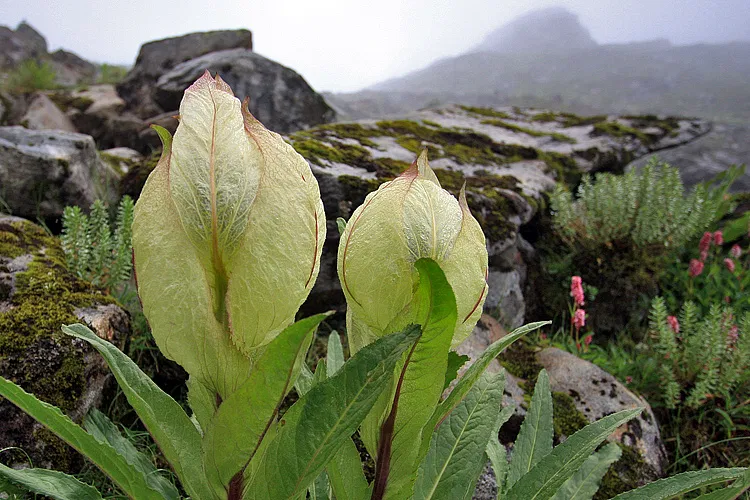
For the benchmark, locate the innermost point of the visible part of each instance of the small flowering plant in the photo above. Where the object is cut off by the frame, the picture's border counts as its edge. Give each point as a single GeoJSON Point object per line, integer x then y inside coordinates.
{"type": "Point", "coordinates": [578, 314]}
{"type": "Point", "coordinates": [713, 275]}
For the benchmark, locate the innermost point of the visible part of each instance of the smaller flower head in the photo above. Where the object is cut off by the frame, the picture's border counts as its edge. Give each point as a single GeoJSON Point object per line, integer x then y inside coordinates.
{"type": "Point", "coordinates": [736, 251]}
{"type": "Point", "coordinates": [576, 290]}
{"type": "Point", "coordinates": [704, 255]}
{"type": "Point", "coordinates": [696, 268]}
{"type": "Point", "coordinates": [718, 238]}
{"type": "Point", "coordinates": [729, 263]}
{"type": "Point", "coordinates": [587, 340]}
{"type": "Point", "coordinates": [705, 243]}
{"type": "Point", "coordinates": [673, 324]}
{"type": "Point", "coordinates": [733, 335]}
{"type": "Point", "coordinates": [579, 319]}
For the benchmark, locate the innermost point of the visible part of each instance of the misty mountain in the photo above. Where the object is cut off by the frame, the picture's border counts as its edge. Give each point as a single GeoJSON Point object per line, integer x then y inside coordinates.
{"type": "Point", "coordinates": [551, 30]}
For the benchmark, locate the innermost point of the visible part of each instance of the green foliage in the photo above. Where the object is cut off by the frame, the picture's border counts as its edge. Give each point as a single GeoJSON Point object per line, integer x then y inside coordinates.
{"type": "Point", "coordinates": [648, 208]}
{"type": "Point", "coordinates": [93, 250]}
{"type": "Point", "coordinates": [707, 356]}
{"type": "Point", "coordinates": [111, 74]}
{"type": "Point", "coordinates": [31, 76]}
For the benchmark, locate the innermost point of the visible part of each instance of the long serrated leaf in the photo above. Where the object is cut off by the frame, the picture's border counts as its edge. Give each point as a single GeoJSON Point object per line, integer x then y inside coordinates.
{"type": "Point", "coordinates": [99, 426]}
{"type": "Point", "coordinates": [419, 390]}
{"type": "Point", "coordinates": [234, 433]}
{"type": "Point", "coordinates": [475, 371]}
{"type": "Point", "coordinates": [316, 426]}
{"type": "Point", "coordinates": [51, 483]}
{"type": "Point", "coordinates": [335, 355]}
{"type": "Point", "coordinates": [346, 474]}
{"type": "Point", "coordinates": [731, 492]}
{"type": "Point", "coordinates": [543, 481]}
{"type": "Point", "coordinates": [456, 455]}
{"type": "Point", "coordinates": [534, 440]}
{"type": "Point", "coordinates": [585, 482]}
{"type": "Point", "coordinates": [101, 454]}
{"type": "Point", "coordinates": [495, 451]}
{"type": "Point", "coordinates": [166, 421]}
{"type": "Point", "coordinates": [681, 484]}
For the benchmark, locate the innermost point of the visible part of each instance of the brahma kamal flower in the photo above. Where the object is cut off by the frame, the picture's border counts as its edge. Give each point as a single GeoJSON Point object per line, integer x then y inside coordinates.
{"type": "Point", "coordinates": [227, 237]}
{"type": "Point", "coordinates": [409, 218]}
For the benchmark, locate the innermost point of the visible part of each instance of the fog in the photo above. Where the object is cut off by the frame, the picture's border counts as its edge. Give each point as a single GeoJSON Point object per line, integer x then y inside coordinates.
{"type": "Point", "coordinates": [345, 46]}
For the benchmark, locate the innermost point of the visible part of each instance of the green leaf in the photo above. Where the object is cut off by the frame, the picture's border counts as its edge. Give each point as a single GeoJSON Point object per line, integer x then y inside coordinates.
{"type": "Point", "coordinates": [99, 426]}
{"type": "Point", "coordinates": [346, 475]}
{"type": "Point", "coordinates": [164, 136]}
{"type": "Point", "coordinates": [681, 484]}
{"type": "Point", "coordinates": [164, 418]}
{"type": "Point", "coordinates": [543, 481]}
{"type": "Point", "coordinates": [496, 452]}
{"type": "Point", "coordinates": [475, 371]}
{"type": "Point", "coordinates": [584, 483]}
{"type": "Point", "coordinates": [534, 440]}
{"type": "Point", "coordinates": [325, 417]}
{"type": "Point", "coordinates": [234, 433]}
{"type": "Point", "coordinates": [320, 488]}
{"type": "Point", "coordinates": [456, 455]}
{"type": "Point", "coordinates": [731, 492]}
{"type": "Point", "coordinates": [304, 380]}
{"type": "Point", "coordinates": [101, 454]}
{"type": "Point", "coordinates": [455, 362]}
{"type": "Point", "coordinates": [419, 390]}
{"type": "Point", "coordinates": [341, 225]}
{"type": "Point", "coordinates": [51, 483]}
{"type": "Point", "coordinates": [335, 356]}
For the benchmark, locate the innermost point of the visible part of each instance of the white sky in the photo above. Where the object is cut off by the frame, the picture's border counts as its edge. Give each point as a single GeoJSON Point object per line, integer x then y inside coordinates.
{"type": "Point", "coordinates": [344, 46]}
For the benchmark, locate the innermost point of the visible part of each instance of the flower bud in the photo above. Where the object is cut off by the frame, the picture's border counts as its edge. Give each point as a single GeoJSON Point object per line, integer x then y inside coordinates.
{"type": "Point", "coordinates": [227, 237]}
{"type": "Point", "coordinates": [409, 218]}
{"type": "Point", "coordinates": [695, 268]}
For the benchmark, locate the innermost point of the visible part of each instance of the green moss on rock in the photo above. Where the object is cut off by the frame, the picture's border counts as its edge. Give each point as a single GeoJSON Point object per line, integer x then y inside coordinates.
{"type": "Point", "coordinates": [629, 472]}
{"type": "Point", "coordinates": [618, 130]}
{"type": "Point", "coordinates": [566, 418]}
{"type": "Point", "coordinates": [486, 112]}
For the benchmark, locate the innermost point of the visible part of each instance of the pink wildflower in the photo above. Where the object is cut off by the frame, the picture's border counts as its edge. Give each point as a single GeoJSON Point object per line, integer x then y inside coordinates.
{"type": "Point", "coordinates": [579, 319]}
{"type": "Point", "coordinates": [718, 238]}
{"type": "Point", "coordinates": [705, 243]}
{"type": "Point", "coordinates": [576, 290]}
{"type": "Point", "coordinates": [673, 323]}
{"type": "Point", "coordinates": [543, 336]}
{"type": "Point", "coordinates": [696, 268]}
{"type": "Point", "coordinates": [704, 255]}
{"type": "Point", "coordinates": [587, 340]}
{"type": "Point", "coordinates": [733, 335]}
{"type": "Point", "coordinates": [730, 265]}
{"type": "Point", "coordinates": [736, 251]}
{"type": "Point", "coordinates": [628, 379]}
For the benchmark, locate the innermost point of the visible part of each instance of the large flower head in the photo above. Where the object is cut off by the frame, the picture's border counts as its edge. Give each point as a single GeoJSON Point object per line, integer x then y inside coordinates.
{"type": "Point", "coordinates": [406, 219]}
{"type": "Point", "coordinates": [227, 237]}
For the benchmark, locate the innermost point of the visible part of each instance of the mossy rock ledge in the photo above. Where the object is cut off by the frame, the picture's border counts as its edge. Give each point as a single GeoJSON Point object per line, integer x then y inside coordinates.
{"type": "Point", "coordinates": [582, 393]}
{"type": "Point", "coordinates": [38, 295]}
{"type": "Point", "coordinates": [509, 159]}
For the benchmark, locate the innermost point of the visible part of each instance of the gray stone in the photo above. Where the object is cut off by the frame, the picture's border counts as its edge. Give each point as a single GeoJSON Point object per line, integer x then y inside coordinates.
{"type": "Point", "coordinates": [43, 114]}
{"type": "Point", "coordinates": [17, 46]}
{"type": "Point", "coordinates": [279, 97]}
{"type": "Point", "coordinates": [71, 69]}
{"type": "Point", "coordinates": [43, 171]}
{"type": "Point", "coordinates": [121, 159]}
{"type": "Point", "coordinates": [157, 57]}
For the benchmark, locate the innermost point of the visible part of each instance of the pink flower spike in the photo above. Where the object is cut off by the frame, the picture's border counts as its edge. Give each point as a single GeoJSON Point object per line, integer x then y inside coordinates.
{"type": "Point", "coordinates": [579, 319]}
{"type": "Point", "coordinates": [705, 243]}
{"type": "Point", "coordinates": [588, 339]}
{"type": "Point", "coordinates": [730, 265]}
{"type": "Point", "coordinates": [704, 255]}
{"type": "Point", "coordinates": [696, 268]}
{"type": "Point", "coordinates": [736, 251]}
{"type": "Point", "coordinates": [733, 335]}
{"type": "Point", "coordinates": [718, 238]}
{"type": "Point", "coordinates": [673, 323]}
{"type": "Point", "coordinates": [576, 290]}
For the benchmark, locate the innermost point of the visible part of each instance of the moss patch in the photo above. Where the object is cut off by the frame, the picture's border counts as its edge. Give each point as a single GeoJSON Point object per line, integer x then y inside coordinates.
{"type": "Point", "coordinates": [485, 112]}
{"type": "Point", "coordinates": [618, 130]}
{"type": "Point", "coordinates": [534, 133]}
{"type": "Point", "coordinates": [566, 418]}
{"type": "Point", "coordinates": [626, 474]}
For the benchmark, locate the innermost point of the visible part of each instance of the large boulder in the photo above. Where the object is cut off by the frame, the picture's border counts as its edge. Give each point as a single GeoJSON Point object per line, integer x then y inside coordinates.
{"type": "Point", "coordinates": [42, 171]}
{"type": "Point", "coordinates": [280, 98]}
{"type": "Point", "coordinates": [509, 159]}
{"type": "Point", "coordinates": [17, 46]}
{"type": "Point", "coordinates": [38, 295]}
{"type": "Point", "coordinates": [71, 69]}
{"type": "Point", "coordinates": [157, 57]}
{"type": "Point", "coordinates": [43, 114]}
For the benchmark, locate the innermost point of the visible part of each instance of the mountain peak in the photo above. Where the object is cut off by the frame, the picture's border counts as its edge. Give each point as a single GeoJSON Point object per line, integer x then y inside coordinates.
{"type": "Point", "coordinates": [548, 30]}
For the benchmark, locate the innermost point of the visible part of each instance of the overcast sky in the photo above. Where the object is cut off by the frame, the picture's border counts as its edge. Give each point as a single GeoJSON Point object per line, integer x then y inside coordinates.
{"type": "Point", "coordinates": [346, 45]}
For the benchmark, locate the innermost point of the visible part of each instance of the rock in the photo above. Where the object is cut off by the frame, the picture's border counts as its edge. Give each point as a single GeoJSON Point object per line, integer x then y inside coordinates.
{"type": "Point", "coordinates": [43, 114]}
{"type": "Point", "coordinates": [17, 46]}
{"type": "Point", "coordinates": [43, 171]}
{"type": "Point", "coordinates": [71, 70]}
{"type": "Point", "coordinates": [121, 159]}
{"type": "Point", "coordinates": [12, 107]}
{"type": "Point", "coordinates": [509, 158]}
{"type": "Point", "coordinates": [157, 57]}
{"type": "Point", "coordinates": [280, 98]}
{"type": "Point", "coordinates": [38, 295]}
